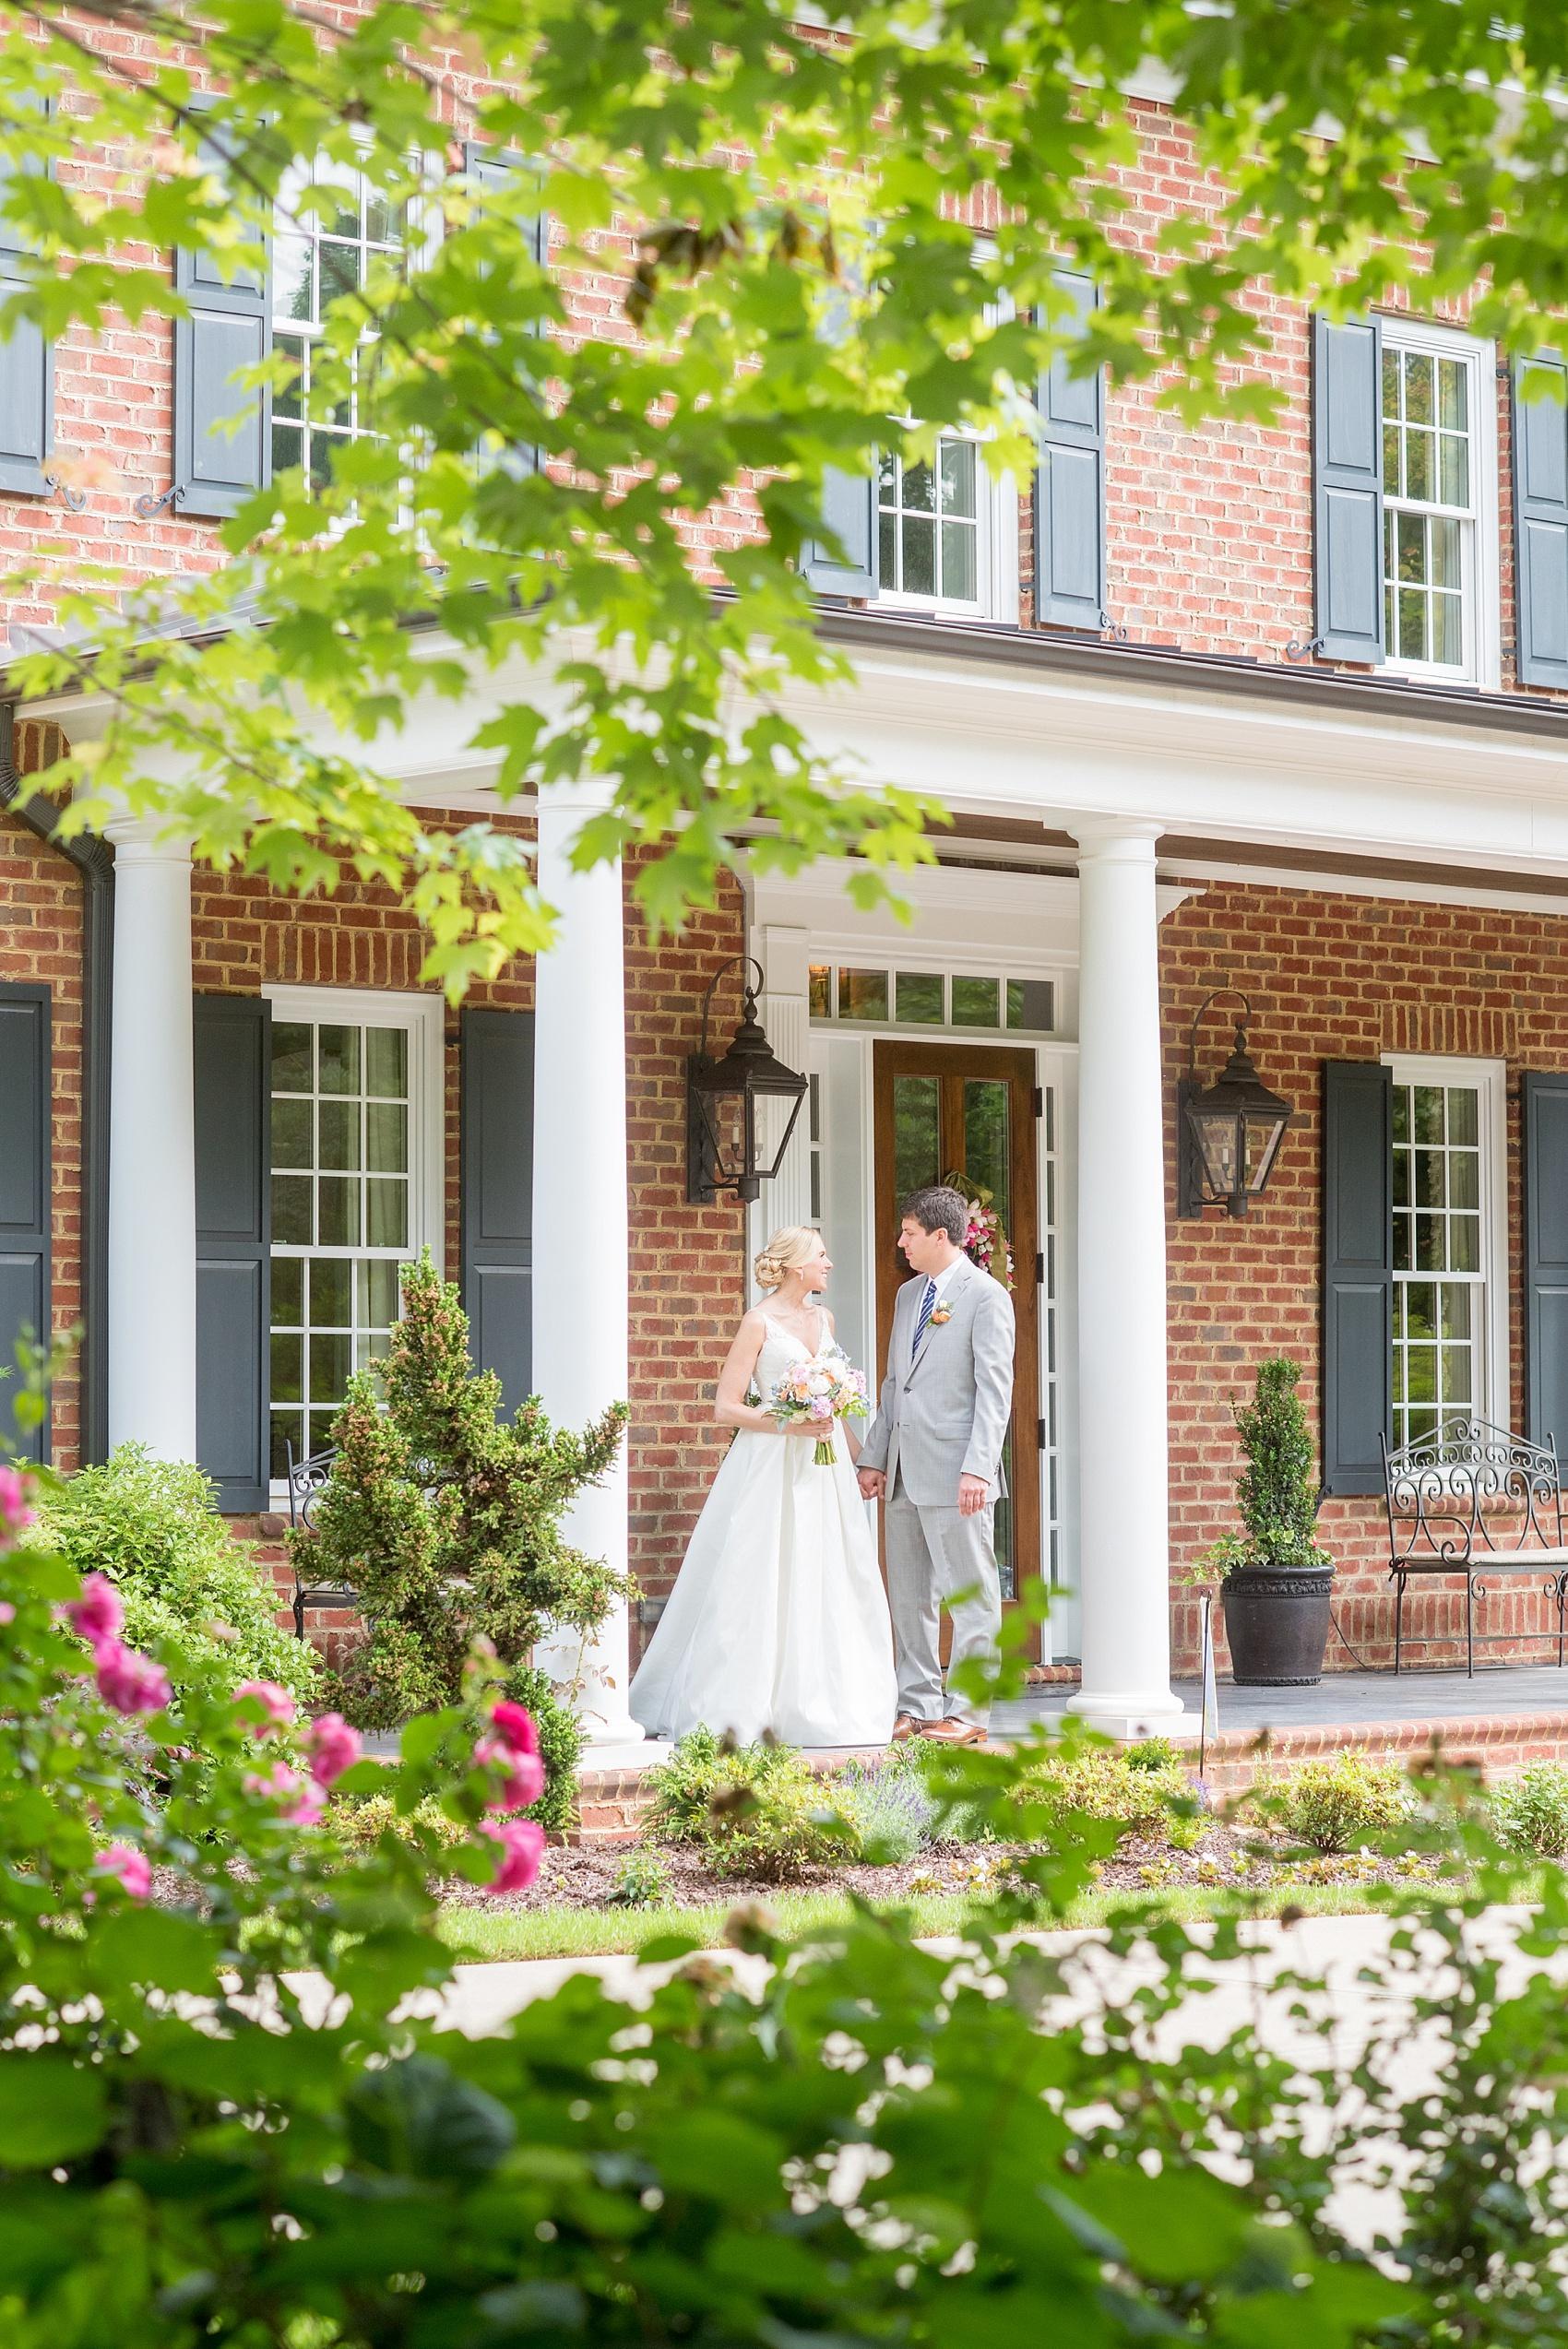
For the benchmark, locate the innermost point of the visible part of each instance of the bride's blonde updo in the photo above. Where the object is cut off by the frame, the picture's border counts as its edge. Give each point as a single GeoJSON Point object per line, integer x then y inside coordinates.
{"type": "Point", "coordinates": [796, 1244]}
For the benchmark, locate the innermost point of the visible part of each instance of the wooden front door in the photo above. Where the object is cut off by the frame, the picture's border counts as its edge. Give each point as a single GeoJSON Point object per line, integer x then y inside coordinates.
{"type": "Point", "coordinates": [962, 1109]}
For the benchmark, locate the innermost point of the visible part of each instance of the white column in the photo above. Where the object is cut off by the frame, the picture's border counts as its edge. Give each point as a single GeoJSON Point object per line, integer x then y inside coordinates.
{"type": "Point", "coordinates": [151, 1303]}
{"type": "Point", "coordinates": [1125, 1502]}
{"type": "Point", "coordinates": [580, 1283]}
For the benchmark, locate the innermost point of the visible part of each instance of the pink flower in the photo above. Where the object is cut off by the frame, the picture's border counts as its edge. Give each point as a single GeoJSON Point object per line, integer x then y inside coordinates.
{"type": "Point", "coordinates": [13, 1511]}
{"type": "Point", "coordinates": [305, 1801]}
{"type": "Point", "coordinates": [131, 1869]}
{"type": "Point", "coordinates": [8, 1612]}
{"type": "Point", "coordinates": [512, 1723]}
{"type": "Point", "coordinates": [98, 1614]}
{"type": "Point", "coordinates": [522, 1848]}
{"type": "Point", "coordinates": [275, 1702]}
{"type": "Point", "coordinates": [524, 1780]}
{"type": "Point", "coordinates": [333, 1748]}
{"type": "Point", "coordinates": [130, 1682]}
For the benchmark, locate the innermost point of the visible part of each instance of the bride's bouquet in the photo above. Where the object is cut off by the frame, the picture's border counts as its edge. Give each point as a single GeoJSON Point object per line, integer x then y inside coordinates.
{"type": "Point", "coordinates": [828, 1387]}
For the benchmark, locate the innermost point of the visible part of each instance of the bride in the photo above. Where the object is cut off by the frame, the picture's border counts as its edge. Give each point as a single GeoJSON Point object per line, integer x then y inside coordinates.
{"type": "Point", "coordinates": [778, 1621]}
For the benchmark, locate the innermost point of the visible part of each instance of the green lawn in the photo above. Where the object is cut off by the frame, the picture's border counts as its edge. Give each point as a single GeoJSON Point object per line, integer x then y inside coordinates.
{"type": "Point", "coordinates": [483, 1935]}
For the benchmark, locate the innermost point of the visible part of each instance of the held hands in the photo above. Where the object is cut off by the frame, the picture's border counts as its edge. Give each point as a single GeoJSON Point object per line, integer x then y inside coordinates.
{"type": "Point", "coordinates": [873, 1484]}
{"type": "Point", "coordinates": [972, 1491]}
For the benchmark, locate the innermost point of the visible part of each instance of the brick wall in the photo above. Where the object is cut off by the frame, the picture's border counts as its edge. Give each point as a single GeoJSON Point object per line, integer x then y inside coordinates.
{"type": "Point", "coordinates": [687, 1269]}
{"type": "Point", "coordinates": [41, 940]}
{"type": "Point", "coordinates": [1335, 978]}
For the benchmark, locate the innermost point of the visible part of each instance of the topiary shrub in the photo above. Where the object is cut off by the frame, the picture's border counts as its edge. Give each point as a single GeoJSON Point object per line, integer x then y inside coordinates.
{"type": "Point", "coordinates": [1335, 1805]}
{"type": "Point", "coordinates": [751, 1811]}
{"type": "Point", "coordinates": [182, 1579]}
{"type": "Point", "coordinates": [1276, 1493]}
{"type": "Point", "coordinates": [444, 1520]}
{"type": "Point", "coordinates": [1531, 1810]}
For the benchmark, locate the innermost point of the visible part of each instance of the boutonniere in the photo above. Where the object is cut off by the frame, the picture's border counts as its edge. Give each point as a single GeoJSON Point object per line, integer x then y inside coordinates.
{"type": "Point", "coordinates": [942, 1314]}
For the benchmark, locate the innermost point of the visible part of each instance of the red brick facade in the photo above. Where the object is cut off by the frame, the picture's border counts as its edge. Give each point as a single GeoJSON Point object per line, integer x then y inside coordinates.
{"type": "Point", "coordinates": [1332, 978]}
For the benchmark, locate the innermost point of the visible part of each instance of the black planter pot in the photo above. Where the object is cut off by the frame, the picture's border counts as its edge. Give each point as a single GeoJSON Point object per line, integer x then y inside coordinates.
{"type": "Point", "coordinates": [1277, 1622]}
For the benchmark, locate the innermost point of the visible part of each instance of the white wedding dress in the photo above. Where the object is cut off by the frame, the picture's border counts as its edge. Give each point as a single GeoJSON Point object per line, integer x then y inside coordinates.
{"type": "Point", "coordinates": [778, 1619]}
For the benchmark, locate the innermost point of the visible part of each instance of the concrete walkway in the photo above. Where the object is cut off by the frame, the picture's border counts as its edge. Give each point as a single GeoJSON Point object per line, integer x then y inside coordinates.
{"type": "Point", "coordinates": [1341, 1699]}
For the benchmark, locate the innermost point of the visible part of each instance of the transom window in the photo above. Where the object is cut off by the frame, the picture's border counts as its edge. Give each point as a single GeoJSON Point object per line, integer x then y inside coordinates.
{"type": "Point", "coordinates": [325, 246]}
{"type": "Point", "coordinates": [929, 525]}
{"type": "Point", "coordinates": [1446, 1282]}
{"type": "Point", "coordinates": [1436, 447]}
{"type": "Point", "coordinates": [929, 998]}
{"type": "Point", "coordinates": [347, 1202]}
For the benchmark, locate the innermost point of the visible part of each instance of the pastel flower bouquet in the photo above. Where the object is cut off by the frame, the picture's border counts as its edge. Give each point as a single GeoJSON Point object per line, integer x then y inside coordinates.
{"type": "Point", "coordinates": [826, 1388]}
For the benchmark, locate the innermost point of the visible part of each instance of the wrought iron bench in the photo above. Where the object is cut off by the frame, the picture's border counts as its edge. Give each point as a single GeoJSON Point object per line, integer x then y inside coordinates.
{"type": "Point", "coordinates": [1472, 1500]}
{"type": "Point", "coordinates": [307, 1481]}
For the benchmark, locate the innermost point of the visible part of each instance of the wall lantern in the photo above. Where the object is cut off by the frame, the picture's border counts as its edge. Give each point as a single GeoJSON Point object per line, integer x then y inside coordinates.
{"type": "Point", "coordinates": [1228, 1134]}
{"type": "Point", "coordinates": [723, 1146]}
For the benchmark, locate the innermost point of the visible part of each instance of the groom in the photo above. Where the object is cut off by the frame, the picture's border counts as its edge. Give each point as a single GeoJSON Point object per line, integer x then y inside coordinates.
{"type": "Point", "coordinates": [934, 1454]}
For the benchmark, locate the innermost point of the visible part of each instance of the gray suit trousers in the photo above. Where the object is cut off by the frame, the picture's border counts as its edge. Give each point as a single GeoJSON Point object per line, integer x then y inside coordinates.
{"type": "Point", "coordinates": [931, 1554]}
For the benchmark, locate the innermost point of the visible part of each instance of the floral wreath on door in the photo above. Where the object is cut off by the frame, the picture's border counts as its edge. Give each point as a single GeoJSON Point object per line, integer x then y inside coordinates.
{"type": "Point", "coordinates": [986, 1242]}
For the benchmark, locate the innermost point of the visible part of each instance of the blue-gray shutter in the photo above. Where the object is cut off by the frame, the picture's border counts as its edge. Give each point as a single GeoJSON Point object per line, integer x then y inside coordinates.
{"type": "Point", "coordinates": [1543, 1119]}
{"type": "Point", "coordinates": [1541, 523]}
{"type": "Point", "coordinates": [842, 562]}
{"type": "Point", "coordinates": [1358, 1273]}
{"type": "Point", "coordinates": [1070, 482]}
{"type": "Point", "coordinates": [26, 370]}
{"type": "Point", "coordinates": [494, 168]}
{"type": "Point", "coordinates": [234, 1168]}
{"type": "Point", "coordinates": [222, 430]}
{"type": "Point", "coordinates": [1348, 488]}
{"type": "Point", "coordinates": [496, 1168]}
{"type": "Point", "coordinates": [25, 1194]}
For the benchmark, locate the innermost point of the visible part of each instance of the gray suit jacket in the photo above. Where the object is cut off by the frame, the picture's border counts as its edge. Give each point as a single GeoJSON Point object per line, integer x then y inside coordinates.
{"type": "Point", "coordinates": [944, 1413]}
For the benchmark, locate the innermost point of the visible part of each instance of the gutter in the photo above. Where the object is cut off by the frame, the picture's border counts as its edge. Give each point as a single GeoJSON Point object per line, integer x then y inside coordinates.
{"type": "Point", "coordinates": [1368, 694]}
{"type": "Point", "coordinates": [94, 860]}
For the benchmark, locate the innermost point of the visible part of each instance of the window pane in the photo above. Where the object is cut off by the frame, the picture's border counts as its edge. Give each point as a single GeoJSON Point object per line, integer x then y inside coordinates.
{"type": "Point", "coordinates": [331, 1289]}
{"type": "Point", "coordinates": [1465, 1243]}
{"type": "Point", "coordinates": [1464, 1179]}
{"type": "Point", "coordinates": [286, 1369]}
{"type": "Point", "coordinates": [863, 994]}
{"type": "Point", "coordinates": [338, 1056]}
{"type": "Point", "coordinates": [288, 1429]}
{"type": "Point", "coordinates": [337, 1208]}
{"type": "Point", "coordinates": [1412, 625]}
{"type": "Point", "coordinates": [1430, 1254]}
{"type": "Point", "coordinates": [339, 1133]}
{"type": "Point", "coordinates": [916, 1133]}
{"type": "Point", "coordinates": [1420, 1374]}
{"type": "Point", "coordinates": [985, 1136]}
{"type": "Point", "coordinates": [1402, 1240]}
{"type": "Point", "coordinates": [920, 490]}
{"type": "Point", "coordinates": [1390, 382]}
{"type": "Point", "coordinates": [378, 1295]}
{"type": "Point", "coordinates": [290, 1134]}
{"type": "Point", "coordinates": [887, 551]}
{"type": "Point", "coordinates": [1419, 388]}
{"type": "Point", "coordinates": [291, 1211]}
{"type": "Point", "coordinates": [1429, 1178]}
{"type": "Point", "coordinates": [1401, 1113]}
{"type": "Point", "coordinates": [386, 1138]}
{"type": "Point", "coordinates": [1421, 1307]}
{"type": "Point", "coordinates": [319, 1428]}
{"type": "Point", "coordinates": [1448, 631]}
{"type": "Point", "coordinates": [976, 1003]}
{"type": "Point", "coordinates": [1444, 541]}
{"type": "Point", "coordinates": [958, 476]}
{"type": "Point", "coordinates": [1420, 474]}
{"type": "Point", "coordinates": [813, 1108]}
{"type": "Point", "coordinates": [386, 1062]}
{"type": "Point", "coordinates": [1453, 395]}
{"type": "Point", "coordinates": [959, 566]}
{"type": "Point", "coordinates": [1455, 1309]}
{"type": "Point", "coordinates": [293, 294]}
{"type": "Point", "coordinates": [919, 556]}
{"type": "Point", "coordinates": [1464, 1114]}
{"type": "Point", "coordinates": [291, 1057]}
{"type": "Point", "coordinates": [1401, 1178]}
{"type": "Point", "coordinates": [1454, 469]}
{"type": "Point", "coordinates": [918, 997]}
{"type": "Point", "coordinates": [820, 984]}
{"type": "Point", "coordinates": [387, 1214]}
{"type": "Point", "coordinates": [1426, 1109]}
{"type": "Point", "coordinates": [1411, 532]}
{"type": "Point", "coordinates": [1391, 459]}
{"type": "Point", "coordinates": [331, 1361]}
{"type": "Point", "coordinates": [1030, 1004]}
{"type": "Point", "coordinates": [288, 1292]}
{"type": "Point", "coordinates": [1458, 1375]}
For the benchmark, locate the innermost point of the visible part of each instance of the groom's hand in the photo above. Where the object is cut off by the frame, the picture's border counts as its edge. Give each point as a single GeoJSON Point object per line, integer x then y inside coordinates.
{"type": "Point", "coordinates": [972, 1491]}
{"type": "Point", "coordinates": [873, 1484]}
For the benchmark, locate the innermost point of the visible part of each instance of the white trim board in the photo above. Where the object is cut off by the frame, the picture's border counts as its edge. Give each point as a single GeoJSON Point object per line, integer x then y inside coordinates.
{"type": "Point", "coordinates": [1385, 887]}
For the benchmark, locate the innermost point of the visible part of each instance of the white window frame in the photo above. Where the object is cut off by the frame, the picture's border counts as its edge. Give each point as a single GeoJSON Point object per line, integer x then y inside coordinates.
{"type": "Point", "coordinates": [1489, 1080]}
{"type": "Point", "coordinates": [423, 1018]}
{"type": "Point", "coordinates": [424, 237]}
{"type": "Point", "coordinates": [1479, 537]}
{"type": "Point", "coordinates": [996, 531]}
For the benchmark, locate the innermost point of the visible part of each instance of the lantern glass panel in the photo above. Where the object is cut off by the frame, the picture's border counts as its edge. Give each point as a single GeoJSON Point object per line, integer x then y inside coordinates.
{"type": "Point", "coordinates": [1266, 1145]}
{"type": "Point", "coordinates": [1219, 1139]}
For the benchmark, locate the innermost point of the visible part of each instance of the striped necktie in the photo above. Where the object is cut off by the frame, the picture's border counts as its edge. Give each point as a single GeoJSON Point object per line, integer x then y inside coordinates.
{"type": "Point", "coordinates": [927, 1302]}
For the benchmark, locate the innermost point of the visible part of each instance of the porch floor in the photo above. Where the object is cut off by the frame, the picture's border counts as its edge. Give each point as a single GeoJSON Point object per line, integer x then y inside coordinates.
{"type": "Point", "coordinates": [1341, 1699]}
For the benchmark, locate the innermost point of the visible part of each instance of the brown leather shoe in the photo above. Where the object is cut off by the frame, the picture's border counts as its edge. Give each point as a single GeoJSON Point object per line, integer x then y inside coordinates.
{"type": "Point", "coordinates": [904, 1729]}
{"type": "Point", "coordinates": [952, 1733]}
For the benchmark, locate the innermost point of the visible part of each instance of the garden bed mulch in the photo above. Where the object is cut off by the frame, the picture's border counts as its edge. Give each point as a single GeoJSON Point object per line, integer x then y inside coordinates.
{"type": "Point", "coordinates": [587, 1877]}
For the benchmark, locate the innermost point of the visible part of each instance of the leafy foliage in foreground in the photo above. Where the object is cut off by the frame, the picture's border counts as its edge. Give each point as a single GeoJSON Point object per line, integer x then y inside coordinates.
{"type": "Point", "coordinates": [768, 321]}
{"type": "Point", "coordinates": [217, 2123]}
